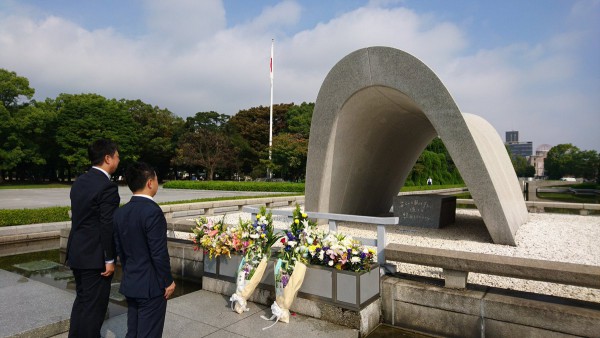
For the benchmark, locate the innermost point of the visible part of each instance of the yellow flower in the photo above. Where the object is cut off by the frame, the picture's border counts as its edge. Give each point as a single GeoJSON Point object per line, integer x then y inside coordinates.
{"type": "Point", "coordinates": [262, 235]}
{"type": "Point", "coordinates": [258, 216]}
{"type": "Point", "coordinates": [296, 221]}
{"type": "Point", "coordinates": [304, 215]}
{"type": "Point", "coordinates": [338, 266]}
{"type": "Point", "coordinates": [312, 248]}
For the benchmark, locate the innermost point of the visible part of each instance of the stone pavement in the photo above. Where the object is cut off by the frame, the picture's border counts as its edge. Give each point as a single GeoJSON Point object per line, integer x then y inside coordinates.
{"type": "Point", "coordinates": [33, 309]}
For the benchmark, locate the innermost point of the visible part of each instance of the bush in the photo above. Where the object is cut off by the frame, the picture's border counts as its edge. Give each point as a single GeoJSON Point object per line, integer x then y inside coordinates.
{"type": "Point", "coordinates": [33, 216]}
{"type": "Point", "coordinates": [236, 186]}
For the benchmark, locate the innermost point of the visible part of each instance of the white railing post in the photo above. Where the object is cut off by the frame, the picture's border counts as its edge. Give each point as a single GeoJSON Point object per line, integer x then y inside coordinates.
{"type": "Point", "coordinates": [332, 225]}
{"type": "Point", "coordinates": [380, 244]}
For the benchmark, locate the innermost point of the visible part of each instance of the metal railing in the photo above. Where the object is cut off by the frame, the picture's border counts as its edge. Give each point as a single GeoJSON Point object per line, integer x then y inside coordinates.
{"type": "Point", "coordinates": [333, 219]}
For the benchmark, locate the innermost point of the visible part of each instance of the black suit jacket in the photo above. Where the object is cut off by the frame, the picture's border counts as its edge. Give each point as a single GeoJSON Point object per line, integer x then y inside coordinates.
{"type": "Point", "coordinates": [94, 199]}
{"type": "Point", "coordinates": [141, 242]}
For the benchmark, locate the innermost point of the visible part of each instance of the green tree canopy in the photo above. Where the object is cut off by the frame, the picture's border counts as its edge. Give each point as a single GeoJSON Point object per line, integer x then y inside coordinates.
{"type": "Point", "coordinates": [84, 118]}
{"type": "Point", "coordinates": [568, 160]}
{"type": "Point", "coordinates": [12, 87]}
{"type": "Point", "coordinates": [559, 161]}
{"type": "Point", "coordinates": [158, 132]}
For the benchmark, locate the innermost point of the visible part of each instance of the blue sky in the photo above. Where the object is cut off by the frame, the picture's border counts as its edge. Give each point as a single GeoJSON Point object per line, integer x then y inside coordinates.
{"type": "Point", "coordinates": [531, 66]}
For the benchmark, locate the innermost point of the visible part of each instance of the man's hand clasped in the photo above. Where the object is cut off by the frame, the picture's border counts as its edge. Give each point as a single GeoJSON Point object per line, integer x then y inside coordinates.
{"type": "Point", "coordinates": [169, 290]}
{"type": "Point", "coordinates": [110, 269]}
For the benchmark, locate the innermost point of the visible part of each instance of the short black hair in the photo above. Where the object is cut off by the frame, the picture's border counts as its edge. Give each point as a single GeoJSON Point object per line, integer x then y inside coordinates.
{"type": "Point", "coordinates": [137, 174]}
{"type": "Point", "coordinates": [101, 148]}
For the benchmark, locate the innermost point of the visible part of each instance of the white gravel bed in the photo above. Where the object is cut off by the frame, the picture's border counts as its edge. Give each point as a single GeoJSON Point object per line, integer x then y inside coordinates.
{"type": "Point", "coordinates": [554, 237]}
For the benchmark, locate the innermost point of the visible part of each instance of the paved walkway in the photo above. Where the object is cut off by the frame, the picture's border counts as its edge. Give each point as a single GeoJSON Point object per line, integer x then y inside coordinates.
{"type": "Point", "coordinates": [50, 197]}
{"type": "Point", "coordinates": [33, 309]}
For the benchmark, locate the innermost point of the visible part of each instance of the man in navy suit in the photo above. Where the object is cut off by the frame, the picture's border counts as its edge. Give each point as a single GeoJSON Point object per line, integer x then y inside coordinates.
{"type": "Point", "coordinates": [90, 249]}
{"type": "Point", "coordinates": [141, 241]}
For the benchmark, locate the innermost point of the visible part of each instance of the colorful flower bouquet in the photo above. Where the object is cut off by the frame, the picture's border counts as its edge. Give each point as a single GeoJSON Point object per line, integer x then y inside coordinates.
{"type": "Point", "coordinates": [215, 238]}
{"type": "Point", "coordinates": [341, 252]}
{"type": "Point", "coordinates": [261, 237]}
{"type": "Point", "coordinates": [291, 265]}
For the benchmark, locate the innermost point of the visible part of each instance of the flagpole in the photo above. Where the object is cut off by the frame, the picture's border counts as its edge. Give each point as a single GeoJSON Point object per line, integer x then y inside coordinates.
{"type": "Point", "coordinates": [269, 174]}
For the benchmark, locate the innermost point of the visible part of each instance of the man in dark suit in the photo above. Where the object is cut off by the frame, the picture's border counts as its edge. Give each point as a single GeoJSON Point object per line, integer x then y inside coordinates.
{"type": "Point", "coordinates": [90, 249]}
{"type": "Point", "coordinates": [141, 242]}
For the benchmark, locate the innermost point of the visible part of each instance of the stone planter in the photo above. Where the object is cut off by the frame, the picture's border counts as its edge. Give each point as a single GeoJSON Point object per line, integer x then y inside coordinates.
{"type": "Point", "coordinates": [344, 289]}
{"type": "Point", "coordinates": [222, 267]}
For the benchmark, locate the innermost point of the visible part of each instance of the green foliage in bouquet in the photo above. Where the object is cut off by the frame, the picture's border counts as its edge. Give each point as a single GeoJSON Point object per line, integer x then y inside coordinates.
{"type": "Point", "coordinates": [295, 244]}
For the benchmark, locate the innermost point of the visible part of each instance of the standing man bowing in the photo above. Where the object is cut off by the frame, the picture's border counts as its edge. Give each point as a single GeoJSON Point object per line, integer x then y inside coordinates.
{"type": "Point", "coordinates": [141, 242]}
{"type": "Point", "coordinates": [90, 249]}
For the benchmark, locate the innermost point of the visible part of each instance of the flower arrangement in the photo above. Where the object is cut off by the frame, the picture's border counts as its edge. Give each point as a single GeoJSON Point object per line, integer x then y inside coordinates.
{"type": "Point", "coordinates": [215, 238]}
{"type": "Point", "coordinates": [295, 240]}
{"type": "Point", "coordinates": [290, 268]}
{"type": "Point", "coordinates": [261, 237]}
{"type": "Point", "coordinates": [341, 252]}
{"type": "Point", "coordinates": [256, 239]}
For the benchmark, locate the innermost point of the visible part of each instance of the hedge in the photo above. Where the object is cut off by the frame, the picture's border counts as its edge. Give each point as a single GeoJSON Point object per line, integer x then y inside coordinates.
{"type": "Point", "coordinates": [33, 216]}
{"type": "Point", "coordinates": [236, 186]}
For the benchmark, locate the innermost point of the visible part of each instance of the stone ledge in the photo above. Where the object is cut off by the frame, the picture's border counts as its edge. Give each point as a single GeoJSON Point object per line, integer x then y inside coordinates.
{"type": "Point", "coordinates": [33, 228]}
{"type": "Point", "coordinates": [527, 268]}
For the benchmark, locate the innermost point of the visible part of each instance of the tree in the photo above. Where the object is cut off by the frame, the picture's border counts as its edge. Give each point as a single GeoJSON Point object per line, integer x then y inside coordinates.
{"type": "Point", "coordinates": [522, 167]}
{"type": "Point", "coordinates": [560, 161]}
{"type": "Point", "coordinates": [158, 132]}
{"type": "Point", "coordinates": [206, 121]}
{"type": "Point", "coordinates": [84, 118]}
{"type": "Point", "coordinates": [434, 162]}
{"type": "Point", "coordinates": [298, 119]}
{"type": "Point", "coordinates": [206, 143]}
{"type": "Point", "coordinates": [289, 156]}
{"type": "Point", "coordinates": [209, 149]}
{"type": "Point", "coordinates": [13, 87]}
{"type": "Point", "coordinates": [249, 131]}
{"type": "Point", "coordinates": [12, 149]}
{"type": "Point", "coordinates": [586, 164]}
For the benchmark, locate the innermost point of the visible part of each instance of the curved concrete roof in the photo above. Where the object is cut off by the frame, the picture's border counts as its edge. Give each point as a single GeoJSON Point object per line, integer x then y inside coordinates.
{"type": "Point", "coordinates": [377, 110]}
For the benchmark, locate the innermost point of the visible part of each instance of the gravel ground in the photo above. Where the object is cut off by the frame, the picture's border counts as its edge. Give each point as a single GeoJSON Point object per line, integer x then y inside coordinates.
{"type": "Point", "coordinates": [555, 237]}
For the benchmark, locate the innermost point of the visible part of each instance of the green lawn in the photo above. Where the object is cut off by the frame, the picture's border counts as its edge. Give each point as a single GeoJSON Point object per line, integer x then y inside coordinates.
{"type": "Point", "coordinates": [10, 217]}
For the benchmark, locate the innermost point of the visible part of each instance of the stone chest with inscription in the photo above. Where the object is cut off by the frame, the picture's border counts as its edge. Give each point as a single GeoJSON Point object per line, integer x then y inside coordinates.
{"type": "Point", "coordinates": [427, 210]}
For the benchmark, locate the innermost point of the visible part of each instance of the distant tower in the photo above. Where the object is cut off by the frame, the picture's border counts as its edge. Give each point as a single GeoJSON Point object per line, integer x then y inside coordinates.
{"type": "Point", "coordinates": [517, 148]}
{"type": "Point", "coordinates": [512, 136]}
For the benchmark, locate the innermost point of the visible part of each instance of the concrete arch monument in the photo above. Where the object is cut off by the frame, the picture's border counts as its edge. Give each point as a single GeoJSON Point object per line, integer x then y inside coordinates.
{"type": "Point", "coordinates": [376, 111]}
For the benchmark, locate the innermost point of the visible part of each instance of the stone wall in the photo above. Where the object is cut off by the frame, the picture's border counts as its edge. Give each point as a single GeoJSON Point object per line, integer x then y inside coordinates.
{"type": "Point", "coordinates": [425, 305]}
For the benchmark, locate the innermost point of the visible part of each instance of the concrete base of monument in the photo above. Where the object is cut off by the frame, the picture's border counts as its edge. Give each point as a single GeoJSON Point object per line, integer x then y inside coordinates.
{"type": "Point", "coordinates": [425, 305]}
{"type": "Point", "coordinates": [364, 320]}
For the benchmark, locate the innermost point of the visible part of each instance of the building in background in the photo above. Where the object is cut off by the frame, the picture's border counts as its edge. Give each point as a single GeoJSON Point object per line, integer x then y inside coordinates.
{"type": "Point", "coordinates": [517, 148]}
{"type": "Point", "coordinates": [512, 136]}
{"type": "Point", "coordinates": [537, 160]}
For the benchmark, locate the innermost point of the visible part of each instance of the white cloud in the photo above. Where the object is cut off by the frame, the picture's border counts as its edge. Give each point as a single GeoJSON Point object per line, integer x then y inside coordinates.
{"type": "Point", "coordinates": [191, 60]}
{"type": "Point", "coordinates": [183, 23]}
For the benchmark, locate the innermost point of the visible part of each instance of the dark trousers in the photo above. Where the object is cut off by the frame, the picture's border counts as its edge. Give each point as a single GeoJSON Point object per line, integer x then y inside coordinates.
{"type": "Point", "coordinates": [146, 317]}
{"type": "Point", "coordinates": [91, 302]}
